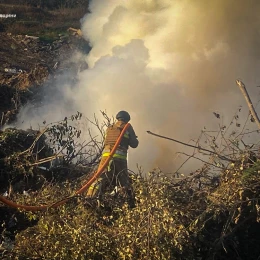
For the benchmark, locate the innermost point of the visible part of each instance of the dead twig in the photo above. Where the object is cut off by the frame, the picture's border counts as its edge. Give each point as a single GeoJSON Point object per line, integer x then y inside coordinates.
{"type": "Point", "coordinates": [248, 101]}
{"type": "Point", "coordinates": [193, 146]}
{"type": "Point", "coordinates": [192, 156]}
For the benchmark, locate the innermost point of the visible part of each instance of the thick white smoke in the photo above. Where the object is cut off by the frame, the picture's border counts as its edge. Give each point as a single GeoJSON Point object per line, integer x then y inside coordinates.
{"type": "Point", "coordinates": [169, 63]}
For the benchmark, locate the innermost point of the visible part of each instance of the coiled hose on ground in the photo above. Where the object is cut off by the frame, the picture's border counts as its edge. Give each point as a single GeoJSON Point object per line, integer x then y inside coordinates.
{"type": "Point", "coordinates": [81, 190]}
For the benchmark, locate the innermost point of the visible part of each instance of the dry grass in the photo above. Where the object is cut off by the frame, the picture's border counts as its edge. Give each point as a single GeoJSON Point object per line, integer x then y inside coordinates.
{"type": "Point", "coordinates": [34, 20]}
{"type": "Point", "coordinates": [70, 13]}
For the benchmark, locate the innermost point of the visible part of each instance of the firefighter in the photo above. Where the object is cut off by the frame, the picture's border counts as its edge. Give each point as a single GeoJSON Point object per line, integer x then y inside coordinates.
{"type": "Point", "coordinates": [116, 174]}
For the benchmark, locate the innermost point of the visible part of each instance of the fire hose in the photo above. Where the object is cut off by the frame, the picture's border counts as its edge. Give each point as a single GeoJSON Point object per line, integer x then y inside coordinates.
{"type": "Point", "coordinates": [81, 190]}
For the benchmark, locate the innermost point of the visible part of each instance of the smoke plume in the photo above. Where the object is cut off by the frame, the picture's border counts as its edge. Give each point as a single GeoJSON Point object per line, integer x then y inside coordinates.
{"type": "Point", "coordinates": [170, 64]}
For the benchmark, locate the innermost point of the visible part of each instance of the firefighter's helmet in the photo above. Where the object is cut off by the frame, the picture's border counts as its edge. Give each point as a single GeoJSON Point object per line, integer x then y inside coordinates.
{"type": "Point", "coordinates": [123, 115]}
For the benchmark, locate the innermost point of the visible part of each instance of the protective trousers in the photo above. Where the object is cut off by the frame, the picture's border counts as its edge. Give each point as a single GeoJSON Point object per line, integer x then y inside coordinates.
{"type": "Point", "coordinates": [116, 175]}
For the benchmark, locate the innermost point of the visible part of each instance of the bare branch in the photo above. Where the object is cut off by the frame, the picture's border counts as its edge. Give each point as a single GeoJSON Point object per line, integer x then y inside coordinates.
{"type": "Point", "coordinates": [198, 147]}
{"type": "Point", "coordinates": [248, 101]}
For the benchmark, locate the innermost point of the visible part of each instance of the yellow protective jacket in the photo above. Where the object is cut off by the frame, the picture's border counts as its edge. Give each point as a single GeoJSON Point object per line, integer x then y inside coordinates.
{"type": "Point", "coordinates": [112, 134]}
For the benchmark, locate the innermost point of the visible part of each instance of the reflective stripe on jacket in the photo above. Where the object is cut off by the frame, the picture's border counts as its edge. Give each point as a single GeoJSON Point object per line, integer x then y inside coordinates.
{"type": "Point", "coordinates": [118, 154]}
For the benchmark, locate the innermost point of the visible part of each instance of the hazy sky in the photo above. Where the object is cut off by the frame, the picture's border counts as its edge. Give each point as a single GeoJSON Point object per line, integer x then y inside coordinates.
{"type": "Point", "coordinates": [169, 63]}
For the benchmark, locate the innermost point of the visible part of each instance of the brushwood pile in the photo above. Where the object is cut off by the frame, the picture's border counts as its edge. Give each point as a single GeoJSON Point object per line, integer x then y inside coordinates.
{"type": "Point", "coordinates": [199, 216]}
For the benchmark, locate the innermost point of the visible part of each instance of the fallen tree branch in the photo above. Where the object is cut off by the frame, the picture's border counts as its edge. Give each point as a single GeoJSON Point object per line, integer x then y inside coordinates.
{"type": "Point", "coordinates": [47, 159]}
{"type": "Point", "coordinates": [248, 101]}
{"type": "Point", "coordinates": [193, 146]}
